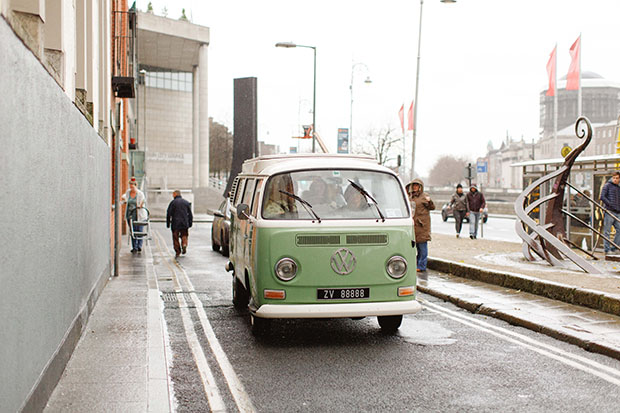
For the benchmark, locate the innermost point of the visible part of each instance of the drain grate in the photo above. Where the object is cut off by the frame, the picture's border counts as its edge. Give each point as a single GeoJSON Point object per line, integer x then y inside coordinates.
{"type": "Point", "coordinates": [173, 296]}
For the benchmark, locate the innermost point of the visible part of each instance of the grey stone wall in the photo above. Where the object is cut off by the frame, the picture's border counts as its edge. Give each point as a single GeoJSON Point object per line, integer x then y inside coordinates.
{"type": "Point", "coordinates": [55, 224]}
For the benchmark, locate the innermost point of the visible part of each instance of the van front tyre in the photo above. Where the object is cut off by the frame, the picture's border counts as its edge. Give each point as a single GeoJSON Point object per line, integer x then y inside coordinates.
{"type": "Point", "coordinates": [390, 323]}
{"type": "Point", "coordinates": [214, 246]}
{"type": "Point", "coordinates": [240, 295]}
{"type": "Point", "coordinates": [260, 326]}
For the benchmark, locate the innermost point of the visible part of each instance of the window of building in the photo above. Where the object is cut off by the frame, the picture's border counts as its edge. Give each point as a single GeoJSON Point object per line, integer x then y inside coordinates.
{"type": "Point", "coordinates": [167, 79]}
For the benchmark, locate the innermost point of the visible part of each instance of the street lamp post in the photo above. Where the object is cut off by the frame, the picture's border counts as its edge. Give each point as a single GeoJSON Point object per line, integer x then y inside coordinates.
{"type": "Point", "coordinates": [289, 45]}
{"type": "Point", "coordinates": [367, 81]}
{"type": "Point", "coordinates": [417, 83]}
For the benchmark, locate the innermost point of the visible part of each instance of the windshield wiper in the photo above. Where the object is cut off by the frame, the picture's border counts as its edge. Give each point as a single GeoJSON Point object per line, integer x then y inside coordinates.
{"type": "Point", "coordinates": [303, 202]}
{"type": "Point", "coordinates": [368, 196]}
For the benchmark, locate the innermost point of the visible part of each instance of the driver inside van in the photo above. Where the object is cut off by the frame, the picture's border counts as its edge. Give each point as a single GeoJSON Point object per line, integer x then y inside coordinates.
{"type": "Point", "coordinates": [278, 204]}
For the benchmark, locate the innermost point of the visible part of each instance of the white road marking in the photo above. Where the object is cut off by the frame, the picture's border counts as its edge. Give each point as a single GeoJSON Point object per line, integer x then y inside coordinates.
{"type": "Point", "coordinates": [242, 399]}
{"type": "Point", "coordinates": [589, 366]}
{"type": "Point", "coordinates": [216, 403]}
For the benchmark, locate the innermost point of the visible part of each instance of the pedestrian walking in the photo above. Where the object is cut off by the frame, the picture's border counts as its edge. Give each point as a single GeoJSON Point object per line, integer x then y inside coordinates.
{"type": "Point", "coordinates": [610, 196]}
{"type": "Point", "coordinates": [179, 219]}
{"type": "Point", "coordinates": [475, 207]}
{"type": "Point", "coordinates": [135, 211]}
{"type": "Point", "coordinates": [458, 203]}
{"type": "Point", "coordinates": [422, 205]}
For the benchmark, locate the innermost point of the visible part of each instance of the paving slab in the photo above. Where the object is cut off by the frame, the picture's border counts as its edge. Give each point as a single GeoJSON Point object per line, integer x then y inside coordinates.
{"type": "Point", "coordinates": [119, 362]}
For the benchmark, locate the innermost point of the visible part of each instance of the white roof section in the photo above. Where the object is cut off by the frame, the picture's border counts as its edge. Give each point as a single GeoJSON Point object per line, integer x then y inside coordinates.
{"type": "Point", "coordinates": [168, 43]}
{"type": "Point", "coordinates": [560, 161]}
{"type": "Point", "coordinates": [272, 164]}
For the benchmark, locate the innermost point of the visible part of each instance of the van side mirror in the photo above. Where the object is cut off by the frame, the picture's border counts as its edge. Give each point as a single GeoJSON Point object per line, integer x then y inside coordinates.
{"type": "Point", "coordinates": [242, 211]}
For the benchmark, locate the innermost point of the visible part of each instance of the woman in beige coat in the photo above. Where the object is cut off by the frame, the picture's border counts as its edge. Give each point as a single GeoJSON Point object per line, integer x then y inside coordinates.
{"type": "Point", "coordinates": [421, 204]}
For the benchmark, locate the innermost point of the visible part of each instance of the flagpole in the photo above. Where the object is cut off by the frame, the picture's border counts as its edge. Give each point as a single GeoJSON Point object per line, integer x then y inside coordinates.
{"type": "Point", "coordinates": [579, 107]}
{"type": "Point", "coordinates": [555, 101]}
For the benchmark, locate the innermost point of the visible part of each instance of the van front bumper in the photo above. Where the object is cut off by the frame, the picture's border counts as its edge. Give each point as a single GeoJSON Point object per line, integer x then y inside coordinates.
{"type": "Point", "coordinates": [337, 310]}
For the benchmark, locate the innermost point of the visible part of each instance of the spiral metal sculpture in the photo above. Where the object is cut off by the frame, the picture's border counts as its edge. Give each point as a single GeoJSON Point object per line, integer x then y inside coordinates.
{"type": "Point", "coordinates": [548, 240]}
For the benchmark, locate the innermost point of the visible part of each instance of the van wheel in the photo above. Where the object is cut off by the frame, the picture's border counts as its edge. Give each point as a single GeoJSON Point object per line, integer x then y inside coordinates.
{"type": "Point", "coordinates": [225, 250]}
{"type": "Point", "coordinates": [260, 326]}
{"type": "Point", "coordinates": [240, 295]}
{"type": "Point", "coordinates": [389, 324]}
{"type": "Point", "coordinates": [214, 246]}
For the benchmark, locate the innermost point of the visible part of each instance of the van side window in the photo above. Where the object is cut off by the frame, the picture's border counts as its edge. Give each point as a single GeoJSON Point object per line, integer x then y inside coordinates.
{"type": "Point", "coordinates": [239, 194]}
{"type": "Point", "coordinates": [257, 191]}
{"type": "Point", "coordinates": [249, 192]}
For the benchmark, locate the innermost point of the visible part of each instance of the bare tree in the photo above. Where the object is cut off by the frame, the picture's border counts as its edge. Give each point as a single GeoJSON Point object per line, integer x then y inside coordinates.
{"type": "Point", "coordinates": [447, 171]}
{"type": "Point", "coordinates": [220, 149]}
{"type": "Point", "coordinates": [381, 145]}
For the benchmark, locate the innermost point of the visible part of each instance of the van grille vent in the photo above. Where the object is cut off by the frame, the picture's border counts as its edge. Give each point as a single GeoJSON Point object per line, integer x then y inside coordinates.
{"type": "Point", "coordinates": [367, 239]}
{"type": "Point", "coordinates": [318, 239]}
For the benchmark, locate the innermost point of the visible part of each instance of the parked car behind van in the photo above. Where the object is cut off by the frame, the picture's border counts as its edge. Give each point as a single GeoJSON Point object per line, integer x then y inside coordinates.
{"type": "Point", "coordinates": [220, 230]}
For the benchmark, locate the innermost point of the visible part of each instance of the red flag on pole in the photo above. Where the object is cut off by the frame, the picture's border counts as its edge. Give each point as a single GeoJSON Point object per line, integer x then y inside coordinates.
{"type": "Point", "coordinates": [410, 117]}
{"type": "Point", "coordinates": [551, 71]}
{"type": "Point", "coordinates": [572, 79]}
{"type": "Point", "coordinates": [401, 116]}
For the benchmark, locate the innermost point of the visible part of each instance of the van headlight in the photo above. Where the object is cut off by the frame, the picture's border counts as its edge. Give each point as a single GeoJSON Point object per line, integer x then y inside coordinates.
{"type": "Point", "coordinates": [286, 269]}
{"type": "Point", "coordinates": [396, 267]}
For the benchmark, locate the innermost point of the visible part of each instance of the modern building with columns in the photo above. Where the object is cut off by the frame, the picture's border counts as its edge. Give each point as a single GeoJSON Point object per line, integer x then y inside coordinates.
{"type": "Point", "coordinates": [172, 125]}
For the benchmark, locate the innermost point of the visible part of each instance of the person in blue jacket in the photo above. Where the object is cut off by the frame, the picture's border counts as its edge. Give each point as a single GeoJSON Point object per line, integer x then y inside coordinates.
{"type": "Point", "coordinates": [179, 219]}
{"type": "Point", "coordinates": [610, 196]}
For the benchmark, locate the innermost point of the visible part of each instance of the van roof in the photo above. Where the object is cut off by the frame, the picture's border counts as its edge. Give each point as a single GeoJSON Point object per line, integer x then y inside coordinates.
{"type": "Point", "coordinates": [271, 164]}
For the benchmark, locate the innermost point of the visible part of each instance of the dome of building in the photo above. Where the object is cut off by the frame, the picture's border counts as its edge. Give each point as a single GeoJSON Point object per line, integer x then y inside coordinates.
{"type": "Point", "coordinates": [586, 75]}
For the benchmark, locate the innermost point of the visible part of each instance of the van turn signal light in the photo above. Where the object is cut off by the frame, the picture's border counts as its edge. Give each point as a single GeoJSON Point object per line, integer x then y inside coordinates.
{"type": "Point", "coordinates": [406, 291]}
{"type": "Point", "coordinates": [274, 294]}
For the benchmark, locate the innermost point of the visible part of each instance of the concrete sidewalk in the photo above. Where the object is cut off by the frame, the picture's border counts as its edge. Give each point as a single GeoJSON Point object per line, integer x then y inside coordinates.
{"type": "Point", "coordinates": [493, 278]}
{"type": "Point", "coordinates": [119, 364]}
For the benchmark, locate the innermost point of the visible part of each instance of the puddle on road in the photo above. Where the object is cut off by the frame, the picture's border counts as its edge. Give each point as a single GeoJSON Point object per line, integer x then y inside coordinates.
{"type": "Point", "coordinates": [425, 333]}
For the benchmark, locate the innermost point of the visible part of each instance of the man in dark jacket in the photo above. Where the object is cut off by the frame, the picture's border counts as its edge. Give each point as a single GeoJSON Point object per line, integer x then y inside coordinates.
{"type": "Point", "coordinates": [610, 196]}
{"type": "Point", "coordinates": [179, 219]}
{"type": "Point", "coordinates": [458, 202]}
{"type": "Point", "coordinates": [475, 206]}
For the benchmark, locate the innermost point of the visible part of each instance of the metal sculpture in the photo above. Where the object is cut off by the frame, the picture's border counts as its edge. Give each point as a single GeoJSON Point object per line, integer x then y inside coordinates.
{"type": "Point", "coordinates": [548, 240]}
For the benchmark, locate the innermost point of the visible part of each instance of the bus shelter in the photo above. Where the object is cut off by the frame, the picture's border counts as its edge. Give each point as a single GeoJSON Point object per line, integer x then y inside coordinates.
{"type": "Point", "coordinates": [588, 175]}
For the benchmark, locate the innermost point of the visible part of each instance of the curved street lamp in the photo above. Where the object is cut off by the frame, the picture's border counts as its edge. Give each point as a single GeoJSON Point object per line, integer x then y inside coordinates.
{"type": "Point", "coordinates": [367, 81]}
{"type": "Point", "coordinates": [289, 45]}
{"type": "Point", "coordinates": [417, 83]}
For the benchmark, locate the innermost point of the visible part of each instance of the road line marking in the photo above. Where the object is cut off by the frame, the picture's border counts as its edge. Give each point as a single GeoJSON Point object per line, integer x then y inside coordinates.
{"type": "Point", "coordinates": [216, 403]}
{"type": "Point", "coordinates": [564, 353]}
{"type": "Point", "coordinates": [502, 335]}
{"type": "Point", "coordinates": [242, 399]}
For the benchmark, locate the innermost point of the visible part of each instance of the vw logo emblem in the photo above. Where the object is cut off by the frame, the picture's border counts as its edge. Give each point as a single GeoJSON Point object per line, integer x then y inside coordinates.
{"type": "Point", "coordinates": [343, 261]}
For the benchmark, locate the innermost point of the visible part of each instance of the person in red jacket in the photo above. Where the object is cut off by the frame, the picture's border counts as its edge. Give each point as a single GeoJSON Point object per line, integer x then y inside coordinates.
{"type": "Point", "coordinates": [475, 207]}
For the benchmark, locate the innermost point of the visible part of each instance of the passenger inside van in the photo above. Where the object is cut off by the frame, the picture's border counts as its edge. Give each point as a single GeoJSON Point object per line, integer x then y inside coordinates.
{"type": "Point", "coordinates": [355, 200]}
{"type": "Point", "coordinates": [277, 204]}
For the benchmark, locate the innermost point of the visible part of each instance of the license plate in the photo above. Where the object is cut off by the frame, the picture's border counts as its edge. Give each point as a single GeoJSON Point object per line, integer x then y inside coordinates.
{"type": "Point", "coordinates": [342, 293]}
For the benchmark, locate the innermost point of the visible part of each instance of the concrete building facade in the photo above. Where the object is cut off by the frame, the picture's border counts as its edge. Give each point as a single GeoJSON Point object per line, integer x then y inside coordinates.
{"type": "Point", "coordinates": [55, 135]}
{"type": "Point", "coordinates": [172, 112]}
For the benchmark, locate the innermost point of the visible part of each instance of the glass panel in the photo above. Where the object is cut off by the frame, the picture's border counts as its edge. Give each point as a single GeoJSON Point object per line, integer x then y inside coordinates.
{"type": "Point", "coordinates": [249, 191]}
{"type": "Point", "coordinates": [332, 196]}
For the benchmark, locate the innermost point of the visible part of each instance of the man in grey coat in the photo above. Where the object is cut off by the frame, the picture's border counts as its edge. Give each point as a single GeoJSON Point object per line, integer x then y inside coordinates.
{"type": "Point", "coordinates": [458, 203]}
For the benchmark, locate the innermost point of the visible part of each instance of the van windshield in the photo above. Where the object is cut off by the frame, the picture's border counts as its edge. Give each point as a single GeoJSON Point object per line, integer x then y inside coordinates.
{"type": "Point", "coordinates": [332, 195]}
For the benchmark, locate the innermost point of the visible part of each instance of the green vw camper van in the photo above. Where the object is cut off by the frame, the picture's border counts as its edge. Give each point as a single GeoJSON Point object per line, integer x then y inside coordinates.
{"type": "Point", "coordinates": [321, 236]}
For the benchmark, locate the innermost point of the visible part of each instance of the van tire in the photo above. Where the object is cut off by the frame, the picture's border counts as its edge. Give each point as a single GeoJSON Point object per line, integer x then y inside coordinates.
{"type": "Point", "coordinates": [390, 323]}
{"type": "Point", "coordinates": [240, 295]}
{"type": "Point", "coordinates": [214, 246]}
{"type": "Point", "coordinates": [225, 250]}
{"type": "Point", "coordinates": [260, 326]}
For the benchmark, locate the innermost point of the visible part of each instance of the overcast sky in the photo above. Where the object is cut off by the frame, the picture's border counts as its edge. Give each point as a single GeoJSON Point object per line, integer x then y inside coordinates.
{"type": "Point", "coordinates": [482, 64]}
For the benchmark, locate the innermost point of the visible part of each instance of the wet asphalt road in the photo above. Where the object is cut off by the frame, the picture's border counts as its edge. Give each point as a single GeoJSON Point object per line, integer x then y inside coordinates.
{"type": "Point", "coordinates": [442, 359]}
